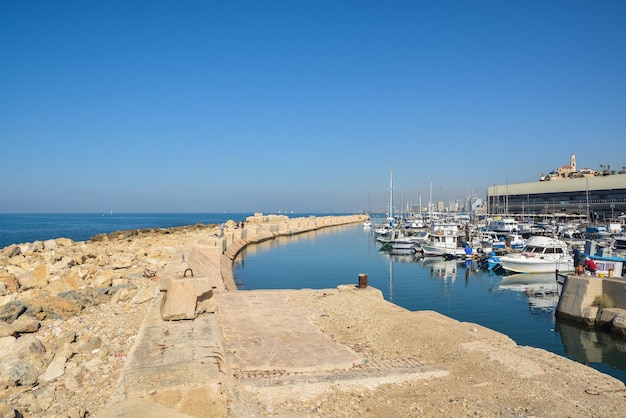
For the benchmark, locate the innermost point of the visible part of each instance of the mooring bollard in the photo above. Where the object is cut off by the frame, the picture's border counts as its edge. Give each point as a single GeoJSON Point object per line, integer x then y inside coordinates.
{"type": "Point", "coordinates": [362, 281]}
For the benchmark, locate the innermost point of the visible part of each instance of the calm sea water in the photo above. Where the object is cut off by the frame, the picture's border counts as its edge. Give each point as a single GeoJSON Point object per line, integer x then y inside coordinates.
{"type": "Point", "coordinates": [520, 306]}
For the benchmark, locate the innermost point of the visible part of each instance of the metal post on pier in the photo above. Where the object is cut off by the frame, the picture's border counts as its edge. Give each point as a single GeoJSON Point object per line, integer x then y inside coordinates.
{"type": "Point", "coordinates": [362, 281]}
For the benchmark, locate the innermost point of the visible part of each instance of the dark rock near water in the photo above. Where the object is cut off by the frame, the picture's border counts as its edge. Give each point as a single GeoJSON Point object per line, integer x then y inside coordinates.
{"type": "Point", "coordinates": [12, 250]}
{"type": "Point", "coordinates": [11, 311]}
{"type": "Point", "coordinates": [90, 296]}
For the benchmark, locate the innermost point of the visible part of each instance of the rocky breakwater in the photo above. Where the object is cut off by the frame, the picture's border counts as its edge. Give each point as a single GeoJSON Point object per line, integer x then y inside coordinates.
{"type": "Point", "coordinates": [69, 314]}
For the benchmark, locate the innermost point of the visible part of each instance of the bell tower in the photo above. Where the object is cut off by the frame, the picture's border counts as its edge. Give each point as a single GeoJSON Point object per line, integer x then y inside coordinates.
{"type": "Point", "coordinates": [572, 162]}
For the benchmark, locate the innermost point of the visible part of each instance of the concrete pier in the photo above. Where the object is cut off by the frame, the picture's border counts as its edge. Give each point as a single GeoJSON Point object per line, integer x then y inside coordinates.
{"type": "Point", "coordinates": [583, 299]}
{"type": "Point", "coordinates": [334, 352]}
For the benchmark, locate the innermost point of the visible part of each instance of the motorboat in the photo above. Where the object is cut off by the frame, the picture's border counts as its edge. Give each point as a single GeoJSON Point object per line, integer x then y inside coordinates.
{"type": "Point", "coordinates": [383, 232]}
{"type": "Point", "coordinates": [493, 263]}
{"type": "Point", "coordinates": [515, 241]}
{"type": "Point", "coordinates": [541, 254]}
{"type": "Point", "coordinates": [444, 242]}
{"type": "Point", "coordinates": [619, 246]}
{"type": "Point", "coordinates": [401, 245]}
{"type": "Point", "coordinates": [503, 225]}
{"type": "Point", "coordinates": [486, 241]}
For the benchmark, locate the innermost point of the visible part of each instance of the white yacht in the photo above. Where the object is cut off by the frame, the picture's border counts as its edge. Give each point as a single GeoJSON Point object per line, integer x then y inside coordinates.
{"type": "Point", "coordinates": [444, 239]}
{"type": "Point", "coordinates": [540, 255]}
{"type": "Point", "coordinates": [503, 225]}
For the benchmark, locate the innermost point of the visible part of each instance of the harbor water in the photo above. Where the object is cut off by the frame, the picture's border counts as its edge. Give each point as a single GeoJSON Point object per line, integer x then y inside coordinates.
{"type": "Point", "coordinates": [520, 306]}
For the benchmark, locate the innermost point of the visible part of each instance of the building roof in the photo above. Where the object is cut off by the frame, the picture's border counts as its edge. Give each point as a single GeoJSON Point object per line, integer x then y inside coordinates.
{"type": "Point", "coordinates": [615, 181]}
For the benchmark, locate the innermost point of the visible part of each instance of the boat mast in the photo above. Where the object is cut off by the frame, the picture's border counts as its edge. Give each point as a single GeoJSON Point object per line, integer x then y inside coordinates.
{"type": "Point", "coordinates": [420, 203]}
{"type": "Point", "coordinates": [391, 196]}
{"type": "Point", "coordinates": [506, 197]}
{"type": "Point", "coordinates": [587, 194]}
{"type": "Point", "coordinates": [430, 202]}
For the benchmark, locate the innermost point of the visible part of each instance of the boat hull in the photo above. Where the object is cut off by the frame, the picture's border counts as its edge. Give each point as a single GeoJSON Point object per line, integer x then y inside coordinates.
{"type": "Point", "coordinates": [433, 250]}
{"type": "Point", "coordinates": [535, 265]}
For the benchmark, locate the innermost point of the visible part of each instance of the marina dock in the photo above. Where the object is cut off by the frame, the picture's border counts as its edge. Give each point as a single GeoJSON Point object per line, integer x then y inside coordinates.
{"type": "Point", "coordinates": [332, 352]}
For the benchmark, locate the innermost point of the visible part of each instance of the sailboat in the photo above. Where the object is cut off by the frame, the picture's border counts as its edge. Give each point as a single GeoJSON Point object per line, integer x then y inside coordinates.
{"type": "Point", "coordinates": [385, 231]}
{"type": "Point", "coordinates": [368, 222]}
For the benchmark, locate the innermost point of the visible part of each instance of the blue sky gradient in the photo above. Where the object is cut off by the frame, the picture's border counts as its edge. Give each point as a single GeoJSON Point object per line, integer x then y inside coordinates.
{"type": "Point", "coordinates": [200, 106]}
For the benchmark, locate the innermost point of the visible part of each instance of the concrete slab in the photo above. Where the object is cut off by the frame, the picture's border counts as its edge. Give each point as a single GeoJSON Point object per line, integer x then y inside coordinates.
{"type": "Point", "coordinates": [139, 408]}
{"type": "Point", "coordinates": [268, 330]}
{"type": "Point", "coordinates": [170, 355]}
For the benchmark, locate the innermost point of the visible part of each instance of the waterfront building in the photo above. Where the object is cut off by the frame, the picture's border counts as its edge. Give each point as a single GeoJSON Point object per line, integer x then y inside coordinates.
{"type": "Point", "coordinates": [596, 198]}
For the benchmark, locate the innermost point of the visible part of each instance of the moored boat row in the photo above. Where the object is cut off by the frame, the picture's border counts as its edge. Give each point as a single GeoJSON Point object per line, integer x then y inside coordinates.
{"type": "Point", "coordinates": [509, 252]}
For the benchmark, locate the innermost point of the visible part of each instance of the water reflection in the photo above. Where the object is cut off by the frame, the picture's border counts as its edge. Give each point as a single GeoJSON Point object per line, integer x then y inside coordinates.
{"type": "Point", "coordinates": [540, 289]}
{"type": "Point", "coordinates": [591, 346]}
{"type": "Point", "coordinates": [440, 267]}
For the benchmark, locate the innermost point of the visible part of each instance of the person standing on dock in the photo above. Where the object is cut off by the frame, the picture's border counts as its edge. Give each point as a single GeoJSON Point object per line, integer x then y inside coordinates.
{"type": "Point", "coordinates": [577, 266]}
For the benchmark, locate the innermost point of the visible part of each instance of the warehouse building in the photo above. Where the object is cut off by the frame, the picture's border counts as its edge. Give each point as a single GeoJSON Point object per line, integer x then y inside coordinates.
{"type": "Point", "coordinates": [595, 198]}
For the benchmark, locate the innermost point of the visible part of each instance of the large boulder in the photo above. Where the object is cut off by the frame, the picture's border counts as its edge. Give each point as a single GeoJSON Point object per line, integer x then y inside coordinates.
{"type": "Point", "coordinates": [56, 368]}
{"type": "Point", "coordinates": [37, 278]}
{"type": "Point", "coordinates": [10, 281]}
{"type": "Point", "coordinates": [25, 324]}
{"type": "Point", "coordinates": [57, 307]}
{"type": "Point", "coordinates": [17, 372]}
{"type": "Point", "coordinates": [88, 296]}
{"type": "Point", "coordinates": [11, 311]}
{"type": "Point", "coordinates": [12, 250]}
{"type": "Point", "coordinates": [6, 330]}
{"type": "Point", "coordinates": [6, 346]}
{"type": "Point", "coordinates": [182, 297]}
{"type": "Point", "coordinates": [66, 283]}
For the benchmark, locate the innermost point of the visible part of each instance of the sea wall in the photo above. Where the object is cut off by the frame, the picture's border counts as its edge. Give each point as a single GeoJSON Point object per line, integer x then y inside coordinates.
{"type": "Point", "coordinates": [594, 302]}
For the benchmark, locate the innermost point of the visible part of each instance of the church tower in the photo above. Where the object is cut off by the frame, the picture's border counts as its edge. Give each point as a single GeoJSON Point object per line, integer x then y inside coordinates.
{"type": "Point", "coordinates": [572, 162]}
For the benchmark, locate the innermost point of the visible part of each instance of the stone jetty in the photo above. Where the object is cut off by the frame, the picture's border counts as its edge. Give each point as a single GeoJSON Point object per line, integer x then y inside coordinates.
{"type": "Point", "coordinates": [594, 302]}
{"type": "Point", "coordinates": [149, 323]}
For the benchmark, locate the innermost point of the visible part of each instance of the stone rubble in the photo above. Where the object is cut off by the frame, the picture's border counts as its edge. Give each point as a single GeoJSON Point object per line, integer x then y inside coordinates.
{"type": "Point", "coordinates": [69, 314]}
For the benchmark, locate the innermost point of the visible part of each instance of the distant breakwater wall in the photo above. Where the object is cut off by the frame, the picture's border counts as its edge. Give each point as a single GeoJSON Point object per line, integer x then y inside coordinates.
{"type": "Point", "coordinates": [259, 228]}
{"type": "Point", "coordinates": [594, 302]}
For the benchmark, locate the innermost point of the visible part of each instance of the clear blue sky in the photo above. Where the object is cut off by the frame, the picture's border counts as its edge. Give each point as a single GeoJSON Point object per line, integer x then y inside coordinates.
{"type": "Point", "coordinates": [201, 106]}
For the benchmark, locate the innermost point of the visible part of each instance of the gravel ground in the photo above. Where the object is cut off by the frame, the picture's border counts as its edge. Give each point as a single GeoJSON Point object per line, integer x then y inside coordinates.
{"type": "Point", "coordinates": [488, 374]}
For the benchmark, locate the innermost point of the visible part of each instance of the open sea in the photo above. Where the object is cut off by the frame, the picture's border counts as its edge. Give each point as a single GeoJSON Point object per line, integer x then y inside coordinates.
{"type": "Point", "coordinates": [521, 307]}
{"type": "Point", "coordinates": [30, 227]}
